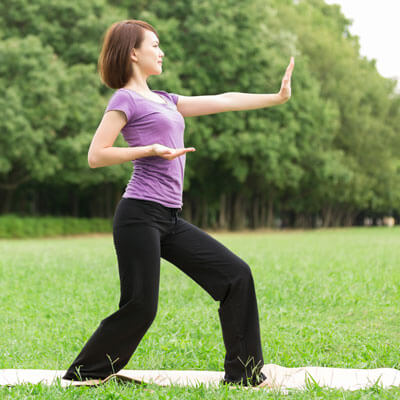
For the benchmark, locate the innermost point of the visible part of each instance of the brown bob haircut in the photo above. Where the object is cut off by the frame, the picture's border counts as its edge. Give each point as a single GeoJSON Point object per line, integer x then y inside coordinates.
{"type": "Point", "coordinates": [114, 64]}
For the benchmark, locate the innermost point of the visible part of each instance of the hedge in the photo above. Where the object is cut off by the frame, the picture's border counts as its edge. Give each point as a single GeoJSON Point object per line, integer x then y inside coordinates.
{"type": "Point", "coordinates": [13, 226]}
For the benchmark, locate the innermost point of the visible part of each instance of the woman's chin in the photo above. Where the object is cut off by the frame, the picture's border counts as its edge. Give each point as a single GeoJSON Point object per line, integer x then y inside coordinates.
{"type": "Point", "coordinates": [158, 71]}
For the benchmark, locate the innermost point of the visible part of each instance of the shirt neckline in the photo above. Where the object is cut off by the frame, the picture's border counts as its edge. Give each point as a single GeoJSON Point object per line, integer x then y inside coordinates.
{"type": "Point", "coordinates": [164, 101]}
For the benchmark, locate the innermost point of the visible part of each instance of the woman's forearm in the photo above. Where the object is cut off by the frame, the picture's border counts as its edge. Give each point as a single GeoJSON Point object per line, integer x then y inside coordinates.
{"type": "Point", "coordinates": [250, 101]}
{"type": "Point", "coordinates": [118, 155]}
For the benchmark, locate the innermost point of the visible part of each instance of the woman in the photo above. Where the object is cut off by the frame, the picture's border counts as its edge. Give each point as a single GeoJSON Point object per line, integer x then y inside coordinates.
{"type": "Point", "coordinates": [146, 223]}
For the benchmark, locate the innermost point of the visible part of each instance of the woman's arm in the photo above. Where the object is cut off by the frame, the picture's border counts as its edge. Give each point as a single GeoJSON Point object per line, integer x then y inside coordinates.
{"type": "Point", "coordinates": [191, 106]}
{"type": "Point", "coordinates": [102, 153]}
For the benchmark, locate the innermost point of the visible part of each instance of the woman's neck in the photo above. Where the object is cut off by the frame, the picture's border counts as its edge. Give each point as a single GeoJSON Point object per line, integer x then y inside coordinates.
{"type": "Point", "coordinates": [138, 85]}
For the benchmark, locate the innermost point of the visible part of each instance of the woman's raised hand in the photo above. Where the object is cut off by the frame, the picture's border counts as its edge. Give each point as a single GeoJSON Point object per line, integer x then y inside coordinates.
{"type": "Point", "coordinates": [286, 91]}
{"type": "Point", "coordinates": [168, 152]}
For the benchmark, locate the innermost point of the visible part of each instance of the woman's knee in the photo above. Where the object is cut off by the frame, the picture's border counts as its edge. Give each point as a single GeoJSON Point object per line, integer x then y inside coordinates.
{"type": "Point", "coordinates": [243, 272]}
{"type": "Point", "coordinates": [142, 311]}
{"type": "Point", "coordinates": [240, 281]}
{"type": "Point", "coordinates": [149, 313]}
{"type": "Point", "coordinates": [148, 310]}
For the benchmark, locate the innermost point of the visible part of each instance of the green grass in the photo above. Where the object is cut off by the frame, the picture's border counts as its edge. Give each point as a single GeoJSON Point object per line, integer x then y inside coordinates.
{"type": "Point", "coordinates": [326, 298]}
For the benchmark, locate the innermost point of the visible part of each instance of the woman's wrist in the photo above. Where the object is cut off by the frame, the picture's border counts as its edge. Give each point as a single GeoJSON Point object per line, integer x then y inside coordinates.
{"type": "Point", "coordinates": [282, 98]}
{"type": "Point", "coordinates": [152, 150]}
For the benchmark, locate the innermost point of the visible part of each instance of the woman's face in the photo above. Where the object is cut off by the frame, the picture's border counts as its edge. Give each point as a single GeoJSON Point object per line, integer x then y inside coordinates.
{"type": "Point", "coordinates": [149, 55]}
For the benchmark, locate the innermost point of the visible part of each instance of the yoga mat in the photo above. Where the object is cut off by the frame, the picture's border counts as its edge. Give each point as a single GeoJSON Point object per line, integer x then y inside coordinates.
{"type": "Point", "coordinates": [279, 378]}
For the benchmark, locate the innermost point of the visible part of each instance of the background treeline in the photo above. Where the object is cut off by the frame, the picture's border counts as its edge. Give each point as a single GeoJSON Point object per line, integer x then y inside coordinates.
{"type": "Point", "coordinates": [327, 157]}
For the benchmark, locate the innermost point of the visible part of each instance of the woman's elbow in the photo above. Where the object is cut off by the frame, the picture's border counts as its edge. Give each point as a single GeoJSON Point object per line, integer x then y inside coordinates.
{"type": "Point", "coordinates": [92, 161]}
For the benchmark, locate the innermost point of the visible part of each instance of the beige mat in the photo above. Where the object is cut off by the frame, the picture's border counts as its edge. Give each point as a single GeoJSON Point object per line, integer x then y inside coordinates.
{"type": "Point", "coordinates": [278, 377]}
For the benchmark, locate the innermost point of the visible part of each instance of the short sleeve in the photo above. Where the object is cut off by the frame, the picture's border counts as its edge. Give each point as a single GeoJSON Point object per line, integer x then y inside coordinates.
{"type": "Point", "coordinates": [121, 100]}
{"type": "Point", "coordinates": [174, 97]}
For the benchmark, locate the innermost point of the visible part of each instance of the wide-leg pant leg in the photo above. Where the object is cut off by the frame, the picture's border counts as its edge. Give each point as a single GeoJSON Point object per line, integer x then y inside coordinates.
{"type": "Point", "coordinates": [110, 347]}
{"type": "Point", "coordinates": [228, 279]}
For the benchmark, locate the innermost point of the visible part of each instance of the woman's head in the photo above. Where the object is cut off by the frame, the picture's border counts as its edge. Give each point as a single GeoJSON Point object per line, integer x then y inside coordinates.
{"type": "Point", "coordinates": [127, 42]}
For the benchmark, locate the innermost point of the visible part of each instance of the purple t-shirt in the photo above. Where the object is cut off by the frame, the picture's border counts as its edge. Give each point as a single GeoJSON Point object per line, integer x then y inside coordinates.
{"type": "Point", "coordinates": [154, 178]}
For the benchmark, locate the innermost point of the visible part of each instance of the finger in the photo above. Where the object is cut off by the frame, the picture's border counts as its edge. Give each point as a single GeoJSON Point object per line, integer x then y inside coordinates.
{"type": "Point", "coordinates": [285, 81]}
{"type": "Point", "coordinates": [287, 76]}
{"type": "Point", "coordinates": [291, 64]}
{"type": "Point", "coordinates": [289, 70]}
{"type": "Point", "coordinates": [290, 67]}
{"type": "Point", "coordinates": [179, 152]}
{"type": "Point", "coordinates": [186, 149]}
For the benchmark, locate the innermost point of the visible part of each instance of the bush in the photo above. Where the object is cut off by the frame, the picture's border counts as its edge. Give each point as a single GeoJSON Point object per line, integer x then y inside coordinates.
{"type": "Point", "coordinates": [13, 226]}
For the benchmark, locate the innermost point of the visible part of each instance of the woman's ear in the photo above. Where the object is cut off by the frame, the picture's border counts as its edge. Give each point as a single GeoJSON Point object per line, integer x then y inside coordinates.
{"type": "Point", "coordinates": [134, 56]}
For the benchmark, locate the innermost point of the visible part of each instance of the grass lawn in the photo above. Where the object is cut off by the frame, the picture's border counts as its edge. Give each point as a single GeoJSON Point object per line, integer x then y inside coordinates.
{"type": "Point", "coordinates": [325, 297]}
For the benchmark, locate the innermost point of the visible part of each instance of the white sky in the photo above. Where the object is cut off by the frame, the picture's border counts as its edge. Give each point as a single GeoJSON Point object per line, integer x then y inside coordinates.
{"type": "Point", "coordinates": [377, 24]}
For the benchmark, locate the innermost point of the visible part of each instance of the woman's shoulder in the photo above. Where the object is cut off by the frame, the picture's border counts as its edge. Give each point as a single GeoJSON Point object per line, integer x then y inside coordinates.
{"type": "Point", "coordinates": [121, 100]}
{"type": "Point", "coordinates": [121, 93]}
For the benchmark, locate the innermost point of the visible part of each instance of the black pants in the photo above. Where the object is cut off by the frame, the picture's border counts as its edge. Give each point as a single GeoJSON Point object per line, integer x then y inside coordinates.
{"type": "Point", "coordinates": [144, 231]}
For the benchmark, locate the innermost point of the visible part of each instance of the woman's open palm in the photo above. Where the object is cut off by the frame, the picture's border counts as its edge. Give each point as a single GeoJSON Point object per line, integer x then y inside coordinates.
{"type": "Point", "coordinates": [286, 90]}
{"type": "Point", "coordinates": [170, 153]}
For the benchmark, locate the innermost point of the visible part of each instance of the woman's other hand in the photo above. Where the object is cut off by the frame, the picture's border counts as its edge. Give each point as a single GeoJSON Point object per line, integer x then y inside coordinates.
{"type": "Point", "coordinates": [286, 91]}
{"type": "Point", "coordinates": [169, 153]}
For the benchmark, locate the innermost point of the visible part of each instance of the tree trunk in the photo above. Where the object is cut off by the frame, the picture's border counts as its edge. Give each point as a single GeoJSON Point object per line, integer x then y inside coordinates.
{"type": "Point", "coordinates": [223, 220]}
{"type": "Point", "coordinates": [75, 202]}
{"type": "Point", "coordinates": [117, 198]}
{"type": "Point", "coordinates": [33, 209]}
{"type": "Point", "coordinates": [270, 216]}
{"type": "Point", "coordinates": [6, 207]}
{"type": "Point", "coordinates": [337, 217]}
{"type": "Point", "coordinates": [204, 213]}
{"type": "Point", "coordinates": [108, 202]}
{"type": "Point", "coordinates": [239, 213]}
{"type": "Point", "coordinates": [263, 211]}
{"type": "Point", "coordinates": [255, 213]}
{"type": "Point", "coordinates": [229, 202]}
{"type": "Point", "coordinates": [349, 217]}
{"type": "Point", "coordinates": [300, 221]}
{"type": "Point", "coordinates": [187, 210]}
{"type": "Point", "coordinates": [326, 216]}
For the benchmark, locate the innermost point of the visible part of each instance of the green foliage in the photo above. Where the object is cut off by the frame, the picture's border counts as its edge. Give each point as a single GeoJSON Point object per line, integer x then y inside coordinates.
{"type": "Point", "coordinates": [52, 100]}
{"type": "Point", "coordinates": [364, 134]}
{"type": "Point", "coordinates": [12, 226]}
{"type": "Point", "coordinates": [30, 76]}
{"type": "Point", "coordinates": [330, 152]}
{"type": "Point", "coordinates": [72, 29]}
